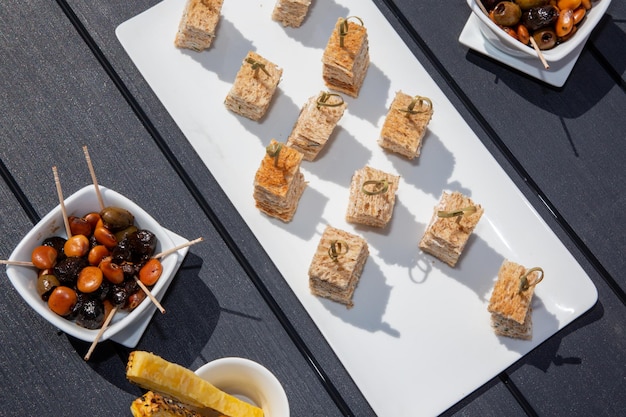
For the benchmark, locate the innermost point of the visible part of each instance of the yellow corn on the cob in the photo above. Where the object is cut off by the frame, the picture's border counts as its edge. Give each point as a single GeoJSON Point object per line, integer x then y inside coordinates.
{"type": "Point", "coordinates": [152, 404]}
{"type": "Point", "coordinates": [155, 373]}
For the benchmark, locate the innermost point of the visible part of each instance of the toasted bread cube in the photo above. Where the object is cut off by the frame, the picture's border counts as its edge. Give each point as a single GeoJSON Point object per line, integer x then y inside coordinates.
{"type": "Point", "coordinates": [291, 12]}
{"type": "Point", "coordinates": [198, 25]}
{"type": "Point", "coordinates": [404, 128]}
{"type": "Point", "coordinates": [335, 274]}
{"type": "Point", "coordinates": [344, 67]}
{"type": "Point", "coordinates": [254, 87]}
{"type": "Point", "coordinates": [446, 237]}
{"type": "Point", "coordinates": [278, 183]}
{"type": "Point", "coordinates": [510, 305]}
{"type": "Point", "coordinates": [372, 197]}
{"type": "Point", "coordinates": [315, 124]}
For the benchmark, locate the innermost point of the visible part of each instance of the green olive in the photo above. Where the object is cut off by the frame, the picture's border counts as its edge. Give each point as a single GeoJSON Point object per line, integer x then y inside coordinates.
{"type": "Point", "coordinates": [119, 236]}
{"type": "Point", "coordinates": [507, 13]}
{"type": "Point", "coordinates": [545, 38]}
{"type": "Point", "coordinates": [45, 284]}
{"type": "Point", "coordinates": [528, 4]}
{"type": "Point", "coordinates": [116, 218]}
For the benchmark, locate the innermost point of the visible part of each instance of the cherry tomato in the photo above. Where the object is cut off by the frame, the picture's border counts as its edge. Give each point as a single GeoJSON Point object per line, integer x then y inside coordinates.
{"type": "Point", "coordinates": [96, 254]}
{"type": "Point", "coordinates": [89, 279]}
{"type": "Point", "coordinates": [150, 272]}
{"type": "Point", "coordinates": [105, 237]}
{"type": "Point", "coordinates": [62, 300]}
{"type": "Point", "coordinates": [44, 257]}
{"type": "Point", "coordinates": [111, 271]}
{"type": "Point", "coordinates": [79, 226]}
{"type": "Point", "coordinates": [92, 219]}
{"type": "Point", "coordinates": [77, 245]}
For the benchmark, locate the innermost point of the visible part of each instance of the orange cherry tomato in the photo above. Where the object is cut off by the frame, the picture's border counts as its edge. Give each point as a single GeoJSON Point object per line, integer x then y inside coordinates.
{"type": "Point", "coordinates": [62, 300]}
{"type": "Point", "coordinates": [79, 226]}
{"type": "Point", "coordinates": [92, 218]}
{"type": "Point", "coordinates": [151, 271]}
{"type": "Point", "coordinates": [44, 257]}
{"type": "Point", "coordinates": [89, 279]}
{"type": "Point", "coordinates": [77, 245]}
{"type": "Point", "coordinates": [111, 271]}
{"type": "Point", "coordinates": [105, 237]}
{"type": "Point", "coordinates": [96, 254]}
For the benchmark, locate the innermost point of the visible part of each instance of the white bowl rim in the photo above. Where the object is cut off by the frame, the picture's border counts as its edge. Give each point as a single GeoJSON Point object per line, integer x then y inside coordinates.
{"type": "Point", "coordinates": [560, 51]}
{"type": "Point", "coordinates": [251, 367]}
{"type": "Point", "coordinates": [27, 289]}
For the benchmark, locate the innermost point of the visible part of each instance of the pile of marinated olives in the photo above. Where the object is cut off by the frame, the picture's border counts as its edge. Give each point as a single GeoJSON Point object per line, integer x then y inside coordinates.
{"type": "Point", "coordinates": [84, 276]}
{"type": "Point", "coordinates": [549, 22]}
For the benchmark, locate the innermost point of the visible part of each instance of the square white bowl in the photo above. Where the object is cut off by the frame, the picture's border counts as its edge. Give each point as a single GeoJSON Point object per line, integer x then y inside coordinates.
{"type": "Point", "coordinates": [508, 44]}
{"type": "Point", "coordinates": [85, 200]}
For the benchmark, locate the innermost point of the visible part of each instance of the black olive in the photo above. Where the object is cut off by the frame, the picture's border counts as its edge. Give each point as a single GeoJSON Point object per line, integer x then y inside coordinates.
{"type": "Point", "coordinates": [142, 245]}
{"type": "Point", "coordinates": [118, 295]}
{"type": "Point", "coordinates": [90, 314]}
{"type": "Point", "coordinates": [121, 253]}
{"type": "Point", "coordinates": [540, 17]}
{"type": "Point", "coordinates": [130, 269]}
{"type": "Point", "coordinates": [57, 242]}
{"type": "Point", "coordinates": [67, 270]}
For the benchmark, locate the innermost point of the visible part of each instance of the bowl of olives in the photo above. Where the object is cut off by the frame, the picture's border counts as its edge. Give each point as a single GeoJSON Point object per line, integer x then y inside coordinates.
{"type": "Point", "coordinates": [558, 27]}
{"type": "Point", "coordinates": [75, 282]}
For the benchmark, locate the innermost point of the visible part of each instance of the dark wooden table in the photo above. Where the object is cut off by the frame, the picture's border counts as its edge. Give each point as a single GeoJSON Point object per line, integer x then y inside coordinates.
{"type": "Point", "coordinates": [67, 82]}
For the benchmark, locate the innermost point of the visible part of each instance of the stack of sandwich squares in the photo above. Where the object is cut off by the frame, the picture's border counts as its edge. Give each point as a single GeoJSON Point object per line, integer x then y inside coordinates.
{"type": "Point", "coordinates": [372, 197]}
{"type": "Point", "coordinates": [198, 24]}
{"type": "Point", "coordinates": [510, 302]}
{"type": "Point", "coordinates": [291, 12]}
{"type": "Point", "coordinates": [337, 265]}
{"type": "Point", "coordinates": [450, 227]}
{"type": "Point", "coordinates": [346, 57]}
{"type": "Point", "coordinates": [405, 125]}
{"type": "Point", "coordinates": [254, 87]}
{"type": "Point", "coordinates": [316, 123]}
{"type": "Point", "coordinates": [279, 183]}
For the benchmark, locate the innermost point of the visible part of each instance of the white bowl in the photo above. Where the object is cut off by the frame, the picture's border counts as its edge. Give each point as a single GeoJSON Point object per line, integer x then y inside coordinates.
{"type": "Point", "coordinates": [508, 44]}
{"type": "Point", "coordinates": [24, 279]}
{"type": "Point", "coordinates": [248, 381]}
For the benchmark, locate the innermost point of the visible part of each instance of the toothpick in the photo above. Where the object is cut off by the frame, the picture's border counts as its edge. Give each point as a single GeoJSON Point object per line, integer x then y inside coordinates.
{"type": "Point", "coordinates": [61, 202]}
{"type": "Point", "coordinates": [482, 7]}
{"type": "Point", "coordinates": [539, 53]}
{"type": "Point", "coordinates": [150, 296]}
{"type": "Point", "coordinates": [16, 263]}
{"type": "Point", "coordinates": [176, 248]}
{"type": "Point", "coordinates": [93, 177]}
{"type": "Point", "coordinates": [105, 325]}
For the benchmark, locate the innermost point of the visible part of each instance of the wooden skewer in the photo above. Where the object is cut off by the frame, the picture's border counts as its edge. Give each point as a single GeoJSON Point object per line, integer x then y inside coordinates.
{"type": "Point", "coordinates": [105, 325]}
{"type": "Point", "coordinates": [93, 177]}
{"type": "Point", "coordinates": [176, 248]}
{"type": "Point", "coordinates": [482, 7]}
{"type": "Point", "coordinates": [61, 202]}
{"type": "Point", "coordinates": [17, 263]}
{"type": "Point", "coordinates": [150, 296]}
{"type": "Point", "coordinates": [539, 53]}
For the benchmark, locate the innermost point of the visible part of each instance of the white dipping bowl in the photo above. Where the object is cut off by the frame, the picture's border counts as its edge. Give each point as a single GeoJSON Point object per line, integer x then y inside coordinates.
{"type": "Point", "coordinates": [84, 201]}
{"type": "Point", "coordinates": [508, 44]}
{"type": "Point", "coordinates": [248, 381]}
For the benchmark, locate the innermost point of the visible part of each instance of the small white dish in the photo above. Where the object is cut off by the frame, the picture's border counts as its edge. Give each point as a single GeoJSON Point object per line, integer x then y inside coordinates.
{"type": "Point", "coordinates": [85, 200]}
{"type": "Point", "coordinates": [559, 52]}
{"type": "Point", "coordinates": [473, 37]}
{"type": "Point", "coordinates": [248, 381]}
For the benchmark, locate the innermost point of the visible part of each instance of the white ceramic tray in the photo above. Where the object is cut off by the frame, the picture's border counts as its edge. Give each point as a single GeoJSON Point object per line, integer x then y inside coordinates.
{"type": "Point", "coordinates": [418, 339]}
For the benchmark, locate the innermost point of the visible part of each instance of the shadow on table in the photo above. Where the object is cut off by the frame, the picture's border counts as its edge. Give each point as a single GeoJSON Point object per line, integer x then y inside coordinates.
{"type": "Point", "coordinates": [586, 85]}
{"type": "Point", "coordinates": [188, 300]}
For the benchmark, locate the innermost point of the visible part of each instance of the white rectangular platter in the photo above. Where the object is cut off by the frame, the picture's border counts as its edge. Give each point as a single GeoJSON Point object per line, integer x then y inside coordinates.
{"type": "Point", "coordinates": [418, 339]}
